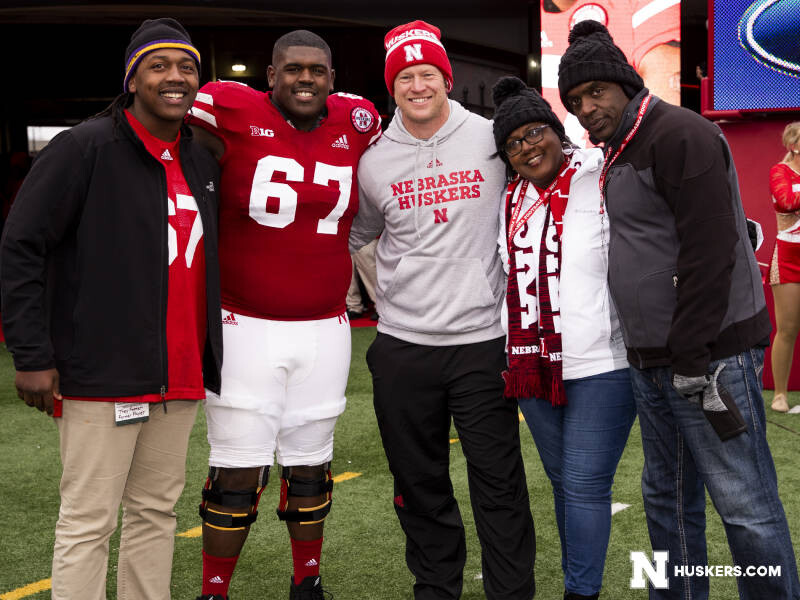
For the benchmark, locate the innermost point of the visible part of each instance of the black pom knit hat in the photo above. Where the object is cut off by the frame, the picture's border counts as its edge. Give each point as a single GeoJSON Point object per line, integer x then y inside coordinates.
{"type": "Point", "coordinates": [593, 56]}
{"type": "Point", "coordinates": [152, 35]}
{"type": "Point", "coordinates": [515, 105]}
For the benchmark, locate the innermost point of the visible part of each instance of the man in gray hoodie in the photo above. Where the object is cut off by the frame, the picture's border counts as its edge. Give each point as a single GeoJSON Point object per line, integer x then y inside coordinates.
{"type": "Point", "coordinates": [431, 188]}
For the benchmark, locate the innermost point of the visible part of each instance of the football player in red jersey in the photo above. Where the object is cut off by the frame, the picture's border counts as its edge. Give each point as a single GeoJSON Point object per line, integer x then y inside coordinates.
{"type": "Point", "coordinates": [288, 196]}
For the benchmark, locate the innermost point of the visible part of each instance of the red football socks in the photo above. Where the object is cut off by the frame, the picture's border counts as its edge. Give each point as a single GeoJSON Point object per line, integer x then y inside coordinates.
{"type": "Point", "coordinates": [306, 556]}
{"type": "Point", "coordinates": [217, 573]}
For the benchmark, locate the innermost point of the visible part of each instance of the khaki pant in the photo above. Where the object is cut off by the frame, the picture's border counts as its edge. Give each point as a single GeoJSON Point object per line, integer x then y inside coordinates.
{"type": "Point", "coordinates": [142, 466]}
{"type": "Point", "coordinates": [364, 267]}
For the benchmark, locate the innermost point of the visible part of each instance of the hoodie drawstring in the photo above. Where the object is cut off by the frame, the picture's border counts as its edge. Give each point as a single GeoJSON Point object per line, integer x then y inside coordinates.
{"type": "Point", "coordinates": [417, 179]}
{"type": "Point", "coordinates": [419, 192]}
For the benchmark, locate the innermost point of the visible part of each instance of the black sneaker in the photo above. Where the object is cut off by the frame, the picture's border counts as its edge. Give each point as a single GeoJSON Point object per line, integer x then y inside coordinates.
{"type": "Point", "coordinates": [212, 597]}
{"type": "Point", "coordinates": [309, 589]}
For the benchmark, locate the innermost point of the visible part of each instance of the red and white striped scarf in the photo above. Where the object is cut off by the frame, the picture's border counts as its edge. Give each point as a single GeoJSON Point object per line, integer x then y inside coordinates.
{"type": "Point", "coordinates": [534, 350]}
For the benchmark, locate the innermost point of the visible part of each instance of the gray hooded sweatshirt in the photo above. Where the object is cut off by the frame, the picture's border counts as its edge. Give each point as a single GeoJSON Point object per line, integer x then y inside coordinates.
{"type": "Point", "coordinates": [434, 203]}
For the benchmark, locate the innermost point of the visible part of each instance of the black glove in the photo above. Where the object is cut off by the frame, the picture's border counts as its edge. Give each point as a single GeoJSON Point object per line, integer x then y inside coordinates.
{"type": "Point", "coordinates": [719, 407]}
{"type": "Point", "coordinates": [690, 388]}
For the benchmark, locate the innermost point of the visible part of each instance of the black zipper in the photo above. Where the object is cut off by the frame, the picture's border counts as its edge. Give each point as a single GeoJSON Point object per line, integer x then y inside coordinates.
{"type": "Point", "coordinates": [162, 347]}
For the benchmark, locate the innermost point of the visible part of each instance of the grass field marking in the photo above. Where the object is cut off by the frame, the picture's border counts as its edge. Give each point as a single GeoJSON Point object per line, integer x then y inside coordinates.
{"type": "Point", "coordinates": [521, 417]}
{"type": "Point", "coordinates": [28, 590]}
{"type": "Point", "coordinates": [194, 532]}
{"type": "Point", "coordinates": [345, 476]}
{"type": "Point", "coordinates": [618, 507]}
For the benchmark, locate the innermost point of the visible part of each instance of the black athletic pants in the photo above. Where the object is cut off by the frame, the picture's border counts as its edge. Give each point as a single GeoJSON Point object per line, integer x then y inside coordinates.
{"type": "Point", "coordinates": [417, 389]}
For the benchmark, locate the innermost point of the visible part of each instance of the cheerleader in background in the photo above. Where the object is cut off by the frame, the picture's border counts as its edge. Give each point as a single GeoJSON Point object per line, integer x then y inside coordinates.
{"type": "Point", "coordinates": [784, 273]}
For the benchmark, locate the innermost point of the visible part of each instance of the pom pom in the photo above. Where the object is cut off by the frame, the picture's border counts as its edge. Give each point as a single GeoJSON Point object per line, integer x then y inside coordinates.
{"type": "Point", "coordinates": [505, 88]}
{"type": "Point", "coordinates": [588, 27]}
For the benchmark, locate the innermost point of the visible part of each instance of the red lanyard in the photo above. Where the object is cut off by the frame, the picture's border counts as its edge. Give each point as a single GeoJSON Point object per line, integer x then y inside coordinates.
{"type": "Point", "coordinates": [516, 222]}
{"type": "Point", "coordinates": [607, 163]}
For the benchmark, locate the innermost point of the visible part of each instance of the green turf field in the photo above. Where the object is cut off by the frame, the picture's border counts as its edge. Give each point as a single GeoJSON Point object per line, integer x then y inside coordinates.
{"type": "Point", "coordinates": [363, 556]}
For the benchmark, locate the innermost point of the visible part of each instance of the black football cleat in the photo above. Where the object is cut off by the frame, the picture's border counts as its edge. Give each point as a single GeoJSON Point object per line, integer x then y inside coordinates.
{"type": "Point", "coordinates": [768, 30]}
{"type": "Point", "coordinates": [212, 597]}
{"type": "Point", "coordinates": [309, 589]}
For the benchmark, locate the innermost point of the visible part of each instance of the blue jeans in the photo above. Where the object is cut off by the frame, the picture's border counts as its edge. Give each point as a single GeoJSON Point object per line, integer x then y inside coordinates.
{"type": "Point", "coordinates": [580, 445]}
{"type": "Point", "coordinates": [682, 453]}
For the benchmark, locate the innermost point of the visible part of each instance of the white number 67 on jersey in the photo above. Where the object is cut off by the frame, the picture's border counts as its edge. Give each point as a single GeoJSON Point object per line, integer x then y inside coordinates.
{"type": "Point", "coordinates": [263, 187]}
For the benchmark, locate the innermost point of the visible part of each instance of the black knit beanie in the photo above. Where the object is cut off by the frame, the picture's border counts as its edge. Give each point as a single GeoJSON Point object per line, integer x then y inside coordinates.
{"type": "Point", "coordinates": [515, 104]}
{"type": "Point", "coordinates": [152, 35]}
{"type": "Point", "coordinates": [593, 56]}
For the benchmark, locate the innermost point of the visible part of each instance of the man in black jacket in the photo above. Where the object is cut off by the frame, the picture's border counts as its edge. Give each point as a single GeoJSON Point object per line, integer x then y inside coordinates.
{"type": "Point", "coordinates": [110, 289]}
{"type": "Point", "coordinates": [688, 292]}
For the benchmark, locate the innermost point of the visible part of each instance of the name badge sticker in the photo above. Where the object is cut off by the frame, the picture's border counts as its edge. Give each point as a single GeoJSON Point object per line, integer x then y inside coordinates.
{"type": "Point", "coordinates": [126, 413]}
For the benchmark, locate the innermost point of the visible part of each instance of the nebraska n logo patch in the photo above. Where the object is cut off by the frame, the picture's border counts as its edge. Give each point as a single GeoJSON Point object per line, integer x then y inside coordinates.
{"type": "Point", "coordinates": [413, 52]}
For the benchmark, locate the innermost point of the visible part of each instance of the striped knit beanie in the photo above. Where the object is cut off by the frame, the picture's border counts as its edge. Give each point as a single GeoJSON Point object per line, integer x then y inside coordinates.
{"type": "Point", "coordinates": [415, 43]}
{"type": "Point", "coordinates": [152, 35]}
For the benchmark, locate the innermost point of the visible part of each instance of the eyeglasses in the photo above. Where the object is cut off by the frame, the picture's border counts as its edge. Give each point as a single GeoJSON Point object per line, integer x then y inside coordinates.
{"type": "Point", "coordinates": [532, 136]}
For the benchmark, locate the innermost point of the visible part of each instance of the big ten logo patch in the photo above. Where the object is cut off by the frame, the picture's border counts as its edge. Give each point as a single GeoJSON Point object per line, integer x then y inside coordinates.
{"type": "Point", "coordinates": [426, 191]}
{"type": "Point", "coordinates": [261, 132]}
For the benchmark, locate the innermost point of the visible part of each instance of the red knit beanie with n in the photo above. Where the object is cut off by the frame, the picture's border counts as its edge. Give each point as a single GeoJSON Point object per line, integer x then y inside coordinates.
{"type": "Point", "coordinates": [415, 43]}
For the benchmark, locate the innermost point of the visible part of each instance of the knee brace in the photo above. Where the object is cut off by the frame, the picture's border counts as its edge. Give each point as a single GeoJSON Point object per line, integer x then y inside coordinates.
{"type": "Point", "coordinates": [292, 485]}
{"type": "Point", "coordinates": [232, 499]}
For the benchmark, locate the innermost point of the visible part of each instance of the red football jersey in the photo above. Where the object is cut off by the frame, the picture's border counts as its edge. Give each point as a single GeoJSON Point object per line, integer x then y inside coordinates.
{"type": "Point", "coordinates": [186, 286]}
{"type": "Point", "coordinates": [288, 198]}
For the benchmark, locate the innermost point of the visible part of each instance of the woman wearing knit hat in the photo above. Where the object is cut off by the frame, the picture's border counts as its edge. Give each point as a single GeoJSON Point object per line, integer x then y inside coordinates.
{"type": "Point", "coordinates": [567, 365]}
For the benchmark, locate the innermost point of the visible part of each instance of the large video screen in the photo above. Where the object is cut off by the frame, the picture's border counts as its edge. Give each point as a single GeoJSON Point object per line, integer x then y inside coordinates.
{"type": "Point", "coordinates": [755, 47]}
{"type": "Point", "coordinates": [647, 31]}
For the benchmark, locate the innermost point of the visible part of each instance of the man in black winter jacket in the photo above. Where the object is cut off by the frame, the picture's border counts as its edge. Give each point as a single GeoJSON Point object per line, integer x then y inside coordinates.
{"type": "Point", "coordinates": [111, 304]}
{"type": "Point", "coordinates": [688, 292]}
